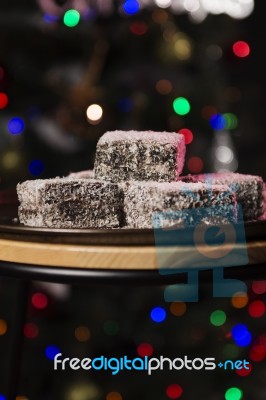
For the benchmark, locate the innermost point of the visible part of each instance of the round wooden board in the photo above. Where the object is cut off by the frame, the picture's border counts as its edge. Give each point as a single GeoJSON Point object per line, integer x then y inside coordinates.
{"type": "Point", "coordinates": [117, 249]}
{"type": "Point", "coordinates": [108, 257]}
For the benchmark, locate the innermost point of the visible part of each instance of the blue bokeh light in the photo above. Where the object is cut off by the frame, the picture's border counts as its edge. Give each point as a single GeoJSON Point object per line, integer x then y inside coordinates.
{"type": "Point", "coordinates": [131, 7]}
{"type": "Point", "coordinates": [2, 397]}
{"type": "Point", "coordinates": [16, 125]}
{"type": "Point", "coordinates": [241, 335]}
{"type": "Point", "coordinates": [51, 351]}
{"type": "Point", "coordinates": [218, 121]}
{"type": "Point", "coordinates": [125, 104]}
{"type": "Point", "coordinates": [36, 167]}
{"type": "Point", "coordinates": [158, 314]}
{"type": "Point", "coordinates": [49, 18]}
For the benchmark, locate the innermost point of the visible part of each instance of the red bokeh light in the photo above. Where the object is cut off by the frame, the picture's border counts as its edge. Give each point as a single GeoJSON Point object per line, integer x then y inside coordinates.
{"type": "Point", "coordinates": [187, 134]}
{"type": "Point", "coordinates": [259, 287]}
{"type": "Point", "coordinates": [31, 330]}
{"type": "Point", "coordinates": [138, 28]}
{"type": "Point", "coordinates": [195, 165]}
{"type": "Point", "coordinates": [145, 349]}
{"type": "Point", "coordinates": [174, 391]}
{"type": "Point", "coordinates": [256, 309]}
{"type": "Point", "coordinates": [3, 100]}
{"type": "Point", "coordinates": [244, 371]}
{"type": "Point", "coordinates": [257, 353]}
{"type": "Point", "coordinates": [39, 300]}
{"type": "Point", "coordinates": [241, 49]}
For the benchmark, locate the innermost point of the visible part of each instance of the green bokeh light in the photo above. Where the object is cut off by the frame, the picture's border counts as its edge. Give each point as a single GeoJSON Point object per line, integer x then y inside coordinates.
{"type": "Point", "coordinates": [71, 18]}
{"type": "Point", "coordinates": [231, 120]}
{"type": "Point", "coordinates": [218, 318]}
{"type": "Point", "coordinates": [231, 351]}
{"type": "Point", "coordinates": [111, 327]}
{"type": "Point", "coordinates": [181, 106]}
{"type": "Point", "coordinates": [233, 394]}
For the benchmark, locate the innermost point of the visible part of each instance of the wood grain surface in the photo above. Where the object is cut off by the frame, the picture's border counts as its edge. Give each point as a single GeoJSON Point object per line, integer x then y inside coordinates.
{"type": "Point", "coordinates": [118, 257]}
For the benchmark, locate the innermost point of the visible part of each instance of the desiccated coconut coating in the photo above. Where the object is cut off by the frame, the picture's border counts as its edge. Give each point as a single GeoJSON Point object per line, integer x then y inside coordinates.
{"type": "Point", "coordinates": [139, 156]}
{"type": "Point", "coordinates": [69, 203]}
{"type": "Point", "coordinates": [86, 174]}
{"type": "Point", "coordinates": [248, 189]}
{"type": "Point", "coordinates": [143, 199]}
{"type": "Point", "coordinates": [263, 216]}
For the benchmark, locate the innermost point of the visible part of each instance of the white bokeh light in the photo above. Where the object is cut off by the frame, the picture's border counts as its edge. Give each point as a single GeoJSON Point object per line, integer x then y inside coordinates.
{"type": "Point", "coordinates": [94, 113]}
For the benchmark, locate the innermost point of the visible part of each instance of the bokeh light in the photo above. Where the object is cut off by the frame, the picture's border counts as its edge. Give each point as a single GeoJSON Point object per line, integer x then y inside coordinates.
{"type": "Point", "coordinates": [241, 335]}
{"type": "Point", "coordinates": [163, 3]}
{"type": "Point", "coordinates": [39, 300]}
{"type": "Point", "coordinates": [160, 16]}
{"type": "Point", "coordinates": [239, 300]}
{"type": "Point", "coordinates": [164, 86]}
{"type": "Point", "coordinates": [195, 164]}
{"type": "Point", "coordinates": [10, 159]}
{"type": "Point", "coordinates": [71, 18]}
{"type": "Point", "coordinates": [36, 167]}
{"type": "Point", "coordinates": [16, 125]}
{"type": "Point", "coordinates": [181, 106]}
{"type": "Point", "coordinates": [125, 104]}
{"type": "Point", "coordinates": [208, 111]}
{"type": "Point", "coordinates": [244, 371]}
{"type": "Point", "coordinates": [51, 351]}
{"type": "Point", "coordinates": [144, 349]}
{"type": "Point", "coordinates": [2, 397]}
{"type": "Point", "coordinates": [217, 317]}
{"type": "Point", "coordinates": [231, 121]}
{"type": "Point", "coordinates": [138, 28]}
{"type": "Point", "coordinates": [31, 330]}
{"type": "Point", "coordinates": [131, 7]}
{"type": "Point", "coordinates": [2, 73]}
{"type": "Point", "coordinates": [214, 52]}
{"type": "Point", "coordinates": [224, 154]}
{"type": "Point", "coordinates": [259, 287]}
{"type": "Point", "coordinates": [50, 19]}
{"type": "Point", "coordinates": [111, 328]}
{"type": "Point", "coordinates": [94, 113]}
{"type": "Point", "coordinates": [114, 396]}
{"type": "Point", "coordinates": [256, 309]}
{"type": "Point", "coordinates": [3, 100]}
{"type": "Point", "coordinates": [217, 121]}
{"type": "Point", "coordinates": [241, 49]}
{"type": "Point", "coordinates": [257, 353]}
{"type": "Point", "coordinates": [230, 350]}
{"type": "Point", "coordinates": [174, 391]}
{"type": "Point", "coordinates": [178, 308]}
{"type": "Point", "coordinates": [82, 333]}
{"type": "Point", "coordinates": [233, 393]}
{"type": "Point", "coordinates": [182, 48]}
{"type": "Point", "coordinates": [187, 134]}
{"type": "Point", "coordinates": [3, 327]}
{"type": "Point", "coordinates": [158, 314]}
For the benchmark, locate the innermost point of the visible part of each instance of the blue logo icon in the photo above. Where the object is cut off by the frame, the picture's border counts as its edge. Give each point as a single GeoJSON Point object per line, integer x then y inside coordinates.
{"type": "Point", "coordinates": [198, 239]}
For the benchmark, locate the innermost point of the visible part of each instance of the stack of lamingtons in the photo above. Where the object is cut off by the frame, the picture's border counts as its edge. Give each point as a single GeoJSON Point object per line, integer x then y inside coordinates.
{"type": "Point", "coordinates": [136, 175]}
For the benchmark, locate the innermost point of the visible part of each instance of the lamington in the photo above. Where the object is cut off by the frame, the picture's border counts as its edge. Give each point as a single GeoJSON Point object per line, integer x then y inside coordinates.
{"type": "Point", "coordinates": [248, 190]}
{"type": "Point", "coordinates": [145, 201]}
{"type": "Point", "coordinates": [69, 203]}
{"type": "Point", "coordinates": [139, 156]}
{"type": "Point", "coordinates": [86, 174]}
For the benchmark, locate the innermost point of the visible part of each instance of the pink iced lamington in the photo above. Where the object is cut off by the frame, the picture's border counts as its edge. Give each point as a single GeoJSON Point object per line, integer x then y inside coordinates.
{"type": "Point", "coordinates": [248, 189]}
{"type": "Point", "coordinates": [263, 216]}
{"type": "Point", "coordinates": [139, 156]}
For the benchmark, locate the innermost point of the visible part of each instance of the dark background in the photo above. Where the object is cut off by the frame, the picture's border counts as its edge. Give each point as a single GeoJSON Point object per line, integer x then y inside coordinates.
{"type": "Point", "coordinates": [51, 74]}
